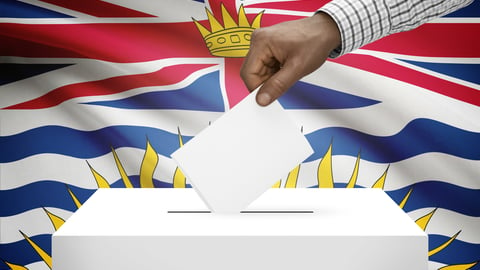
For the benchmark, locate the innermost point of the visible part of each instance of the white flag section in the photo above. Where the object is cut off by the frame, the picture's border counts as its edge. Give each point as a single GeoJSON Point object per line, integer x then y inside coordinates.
{"type": "Point", "coordinates": [99, 94]}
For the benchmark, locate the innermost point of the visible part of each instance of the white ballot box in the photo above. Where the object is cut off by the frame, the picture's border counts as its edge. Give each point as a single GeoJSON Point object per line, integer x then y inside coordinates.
{"type": "Point", "coordinates": [302, 229]}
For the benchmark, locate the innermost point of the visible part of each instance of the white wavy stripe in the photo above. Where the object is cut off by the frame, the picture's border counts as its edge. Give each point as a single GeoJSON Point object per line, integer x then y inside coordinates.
{"type": "Point", "coordinates": [435, 265]}
{"type": "Point", "coordinates": [75, 172]}
{"type": "Point", "coordinates": [40, 265]}
{"type": "Point", "coordinates": [32, 222]}
{"type": "Point", "coordinates": [84, 70]}
{"type": "Point", "coordinates": [400, 104]}
{"type": "Point", "coordinates": [420, 168]}
{"type": "Point", "coordinates": [446, 222]}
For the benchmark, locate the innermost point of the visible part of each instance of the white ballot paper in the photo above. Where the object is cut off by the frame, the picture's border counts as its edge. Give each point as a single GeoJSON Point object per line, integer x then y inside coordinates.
{"type": "Point", "coordinates": [242, 154]}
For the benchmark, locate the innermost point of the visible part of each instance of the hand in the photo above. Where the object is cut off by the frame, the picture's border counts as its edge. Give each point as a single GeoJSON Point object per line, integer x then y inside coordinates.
{"type": "Point", "coordinates": [282, 54]}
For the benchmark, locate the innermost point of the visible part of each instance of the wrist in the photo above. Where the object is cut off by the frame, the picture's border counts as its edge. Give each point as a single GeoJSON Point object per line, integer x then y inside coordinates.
{"type": "Point", "coordinates": [330, 32]}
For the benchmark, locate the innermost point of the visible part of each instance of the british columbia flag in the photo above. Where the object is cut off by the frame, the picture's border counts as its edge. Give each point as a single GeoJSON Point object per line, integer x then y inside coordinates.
{"type": "Point", "coordinates": [98, 94]}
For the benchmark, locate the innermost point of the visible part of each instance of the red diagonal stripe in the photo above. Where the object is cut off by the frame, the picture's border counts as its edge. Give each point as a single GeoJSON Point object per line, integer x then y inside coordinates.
{"type": "Point", "coordinates": [392, 70]}
{"type": "Point", "coordinates": [98, 8]}
{"type": "Point", "coordinates": [435, 40]}
{"type": "Point", "coordinates": [166, 76]}
{"type": "Point", "coordinates": [111, 42]}
{"type": "Point", "coordinates": [236, 89]}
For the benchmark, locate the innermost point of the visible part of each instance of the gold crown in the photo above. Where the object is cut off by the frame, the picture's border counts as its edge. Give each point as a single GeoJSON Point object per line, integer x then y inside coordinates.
{"type": "Point", "coordinates": [232, 39]}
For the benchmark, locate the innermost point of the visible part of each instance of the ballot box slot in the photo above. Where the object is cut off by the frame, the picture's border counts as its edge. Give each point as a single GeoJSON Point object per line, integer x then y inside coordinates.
{"type": "Point", "coordinates": [277, 212]}
{"type": "Point", "coordinates": [189, 212]}
{"type": "Point", "coordinates": [245, 212]}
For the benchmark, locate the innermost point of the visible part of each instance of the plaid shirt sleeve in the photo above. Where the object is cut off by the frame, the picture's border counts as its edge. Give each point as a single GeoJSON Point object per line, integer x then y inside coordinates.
{"type": "Point", "coordinates": [363, 21]}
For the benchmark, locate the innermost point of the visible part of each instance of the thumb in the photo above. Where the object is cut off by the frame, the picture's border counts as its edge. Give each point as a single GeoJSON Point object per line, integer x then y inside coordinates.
{"type": "Point", "coordinates": [276, 86]}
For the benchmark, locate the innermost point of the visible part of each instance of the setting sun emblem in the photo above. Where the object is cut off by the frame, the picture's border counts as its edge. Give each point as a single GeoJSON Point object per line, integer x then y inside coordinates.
{"type": "Point", "coordinates": [149, 164]}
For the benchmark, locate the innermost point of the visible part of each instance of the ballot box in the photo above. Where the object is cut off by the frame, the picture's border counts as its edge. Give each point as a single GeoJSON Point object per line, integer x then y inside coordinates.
{"type": "Point", "coordinates": [303, 229]}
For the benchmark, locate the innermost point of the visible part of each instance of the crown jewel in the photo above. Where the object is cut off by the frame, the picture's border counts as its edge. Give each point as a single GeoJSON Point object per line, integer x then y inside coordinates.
{"type": "Point", "coordinates": [232, 39]}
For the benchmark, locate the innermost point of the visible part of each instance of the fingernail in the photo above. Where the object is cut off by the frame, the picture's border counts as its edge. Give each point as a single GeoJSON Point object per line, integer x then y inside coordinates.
{"type": "Point", "coordinates": [264, 99]}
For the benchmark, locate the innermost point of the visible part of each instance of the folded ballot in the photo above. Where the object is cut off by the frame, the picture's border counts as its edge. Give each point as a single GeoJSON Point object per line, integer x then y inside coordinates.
{"type": "Point", "coordinates": [242, 154]}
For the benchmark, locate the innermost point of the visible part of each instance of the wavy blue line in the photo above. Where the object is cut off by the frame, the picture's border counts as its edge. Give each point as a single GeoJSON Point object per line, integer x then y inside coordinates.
{"type": "Point", "coordinates": [457, 252]}
{"type": "Point", "coordinates": [439, 195]}
{"type": "Point", "coordinates": [435, 194]}
{"type": "Point", "coordinates": [85, 144]}
{"type": "Point", "coordinates": [40, 194]}
{"type": "Point", "coordinates": [22, 253]}
{"type": "Point", "coordinates": [54, 194]}
{"type": "Point", "coordinates": [417, 137]}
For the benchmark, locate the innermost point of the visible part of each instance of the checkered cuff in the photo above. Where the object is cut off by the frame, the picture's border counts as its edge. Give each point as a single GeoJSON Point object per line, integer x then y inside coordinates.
{"type": "Point", "coordinates": [359, 22]}
{"type": "Point", "coordinates": [363, 21]}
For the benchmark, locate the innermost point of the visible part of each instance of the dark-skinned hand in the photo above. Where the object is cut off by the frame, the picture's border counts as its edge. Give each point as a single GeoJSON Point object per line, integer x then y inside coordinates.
{"type": "Point", "coordinates": [282, 54]}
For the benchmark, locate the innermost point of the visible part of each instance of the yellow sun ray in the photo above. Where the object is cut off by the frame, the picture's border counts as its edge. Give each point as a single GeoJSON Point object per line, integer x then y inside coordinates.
{"type": "Point", "coordinates": [325, 173]}
{"type": "Point", "coordinates": [179, 179]}
{"type": "Point", "coordinates": [380, 183]}
{"type": "Point", "coordinates": [101, 181]}
{"type": "Point", "coordinates": [292, 177]}
{"type": "Point", "coordinates": [405, 199]}
{"type": "Point", "coordinates": [444, 245]}
{"type": "Point", "coordinates": [423, 221]}
{"type": "Point", "coordinates": [15, 266]}
{"type": "Point", "coordinates": [354, 177]}
{"type": "Point", "coordinates": [121, 170]}
{"type": "Point", "coordinates": [76, 201]}
{"type": "Point", "coordinates": [278, 184]}
{"type": "Point", "coordinates": [44, 255]}
{"type": "Point", "coordinates": [459, 266]}
{"type": "Point", "coordinates": [57, 221]}
{"type": "Point", "coordinates": [149, 163]}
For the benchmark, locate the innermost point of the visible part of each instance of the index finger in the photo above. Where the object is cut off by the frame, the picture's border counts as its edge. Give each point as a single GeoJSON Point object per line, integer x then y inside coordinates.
{"type": "Point", "coordinates": [258, 65]}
